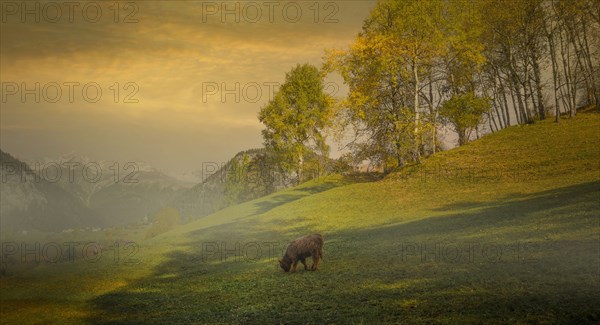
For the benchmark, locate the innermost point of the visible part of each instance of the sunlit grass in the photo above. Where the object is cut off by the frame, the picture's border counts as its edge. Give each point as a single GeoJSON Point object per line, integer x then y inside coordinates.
{"type": "Point", "coordinates": [538, 205]}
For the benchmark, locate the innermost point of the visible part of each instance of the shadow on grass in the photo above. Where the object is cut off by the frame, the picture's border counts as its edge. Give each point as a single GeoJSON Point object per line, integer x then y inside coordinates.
{"type": "Point", "coordinates": [320, 185]}
{"type": "Point", "coordinates": [367, 276]}
{"type": "Point", "coordinates": [515, 210]}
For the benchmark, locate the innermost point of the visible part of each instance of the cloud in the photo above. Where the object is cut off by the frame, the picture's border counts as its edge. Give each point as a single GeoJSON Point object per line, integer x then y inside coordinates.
{"type": "Point", "coordinates": [169, 54]}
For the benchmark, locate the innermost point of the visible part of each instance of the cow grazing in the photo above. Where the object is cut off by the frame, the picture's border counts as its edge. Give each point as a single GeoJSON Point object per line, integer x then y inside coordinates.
{"type": "Point", "coordinates": [300, 249]}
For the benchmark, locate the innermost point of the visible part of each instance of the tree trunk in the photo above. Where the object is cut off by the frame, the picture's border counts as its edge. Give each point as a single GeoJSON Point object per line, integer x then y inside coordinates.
{"type": "Point", "coordinates": [433, 112]}
{"type": "Point", "coordinates": [517, 86]}
{"type": "Point", "coordinates": [461, 136]}
{"type": "Point", "coordinates": [566, 61]}
{"type": "Point", "coordinates": [299, 169]}
{"type": "Point", "coordinates": [552, 50]}
{"type": "Point", "coordinates": [514, 105]}
{"type": "Point", "coordinates": [588, 59]}
{"type": "Point", "coordinates": [492, 119]}
{"type": "Point", "coordinates": [537, 79]}
{"type": "Point", "coordinates": [503, 93]}
{"type": "Point", "coordinates": [497, 104]}
{"type": "Point", "coordinates": [525, 94]}
{"type": "Point", "coordinates": [519, 97]}
{"type": "Point", "coordinates": [494, 103]}
{"type": "Point", "coordinates": [417, 137]}
{"type": "Point", "coordinates": [550, 27]}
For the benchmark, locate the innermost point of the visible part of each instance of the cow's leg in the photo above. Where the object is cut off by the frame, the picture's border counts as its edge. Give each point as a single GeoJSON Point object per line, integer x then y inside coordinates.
{"type": "Point", "coordinates": [315, 257]}
{"type": "Point", "coordinates": [294, 264]}
{"type": "Point", "coordinates": [303, 260]}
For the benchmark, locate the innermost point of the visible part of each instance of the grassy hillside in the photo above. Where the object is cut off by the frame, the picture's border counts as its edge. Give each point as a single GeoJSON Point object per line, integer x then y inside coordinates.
{"type": "Point", "coordinates": [502, 230]}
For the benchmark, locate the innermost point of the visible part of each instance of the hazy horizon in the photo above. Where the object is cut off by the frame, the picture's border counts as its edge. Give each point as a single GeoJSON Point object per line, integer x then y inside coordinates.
{"type": "Point", "coordinates": [167, 58]}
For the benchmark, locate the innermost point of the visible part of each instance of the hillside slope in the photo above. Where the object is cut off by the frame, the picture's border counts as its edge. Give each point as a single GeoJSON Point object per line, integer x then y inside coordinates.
{"type": "Point", "coordinates": [502, 230]}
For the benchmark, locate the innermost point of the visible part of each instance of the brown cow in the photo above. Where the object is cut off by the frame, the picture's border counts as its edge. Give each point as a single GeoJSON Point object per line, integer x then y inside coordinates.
{"type": "Point", "coordinates": [300, 249]}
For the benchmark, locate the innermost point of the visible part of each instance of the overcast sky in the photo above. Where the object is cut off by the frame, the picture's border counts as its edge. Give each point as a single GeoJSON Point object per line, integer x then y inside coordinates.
{"type": "Point", "coordinates": [161, 67]}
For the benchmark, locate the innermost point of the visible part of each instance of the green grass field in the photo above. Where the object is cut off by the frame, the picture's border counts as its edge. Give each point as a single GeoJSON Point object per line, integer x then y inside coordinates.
{"type": "Point", "coordinates": [502, 230]}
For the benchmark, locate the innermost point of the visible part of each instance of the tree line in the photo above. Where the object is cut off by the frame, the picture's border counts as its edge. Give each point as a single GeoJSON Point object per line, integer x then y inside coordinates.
{"type": "Point", "coordinates": [419, 66]}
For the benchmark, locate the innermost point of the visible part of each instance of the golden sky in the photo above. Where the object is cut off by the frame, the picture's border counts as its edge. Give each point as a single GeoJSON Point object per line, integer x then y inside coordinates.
{"type": "Point", "coordinates": [173, 57]}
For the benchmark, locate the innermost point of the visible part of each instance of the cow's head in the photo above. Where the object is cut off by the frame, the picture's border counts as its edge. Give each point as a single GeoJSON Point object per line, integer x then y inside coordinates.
{"type": "Point", "coordinates": [285, 264]}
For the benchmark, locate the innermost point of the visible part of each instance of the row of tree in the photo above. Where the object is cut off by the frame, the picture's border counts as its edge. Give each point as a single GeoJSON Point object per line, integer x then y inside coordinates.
{"type": "Point", "coordinates": [417, 66]}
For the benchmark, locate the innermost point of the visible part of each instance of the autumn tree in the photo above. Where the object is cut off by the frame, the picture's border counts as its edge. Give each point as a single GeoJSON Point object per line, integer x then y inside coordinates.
{"type": "Point", "coordinates": [387, 69]}
{"type": "Point", "coordinates": [464, 113]}
{"type": "Point", "coordinates": [296, 119]}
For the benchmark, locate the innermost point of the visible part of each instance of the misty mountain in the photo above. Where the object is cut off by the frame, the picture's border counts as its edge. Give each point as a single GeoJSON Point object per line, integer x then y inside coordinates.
{"type": "Point", "coordinates": [248, 175]}
{"type": "Point", "coordinates": [73, 191]}
{"type": "Point", "coordinates": [28, 201]}
{"type": "Point", "coordinates": [120, 193]}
